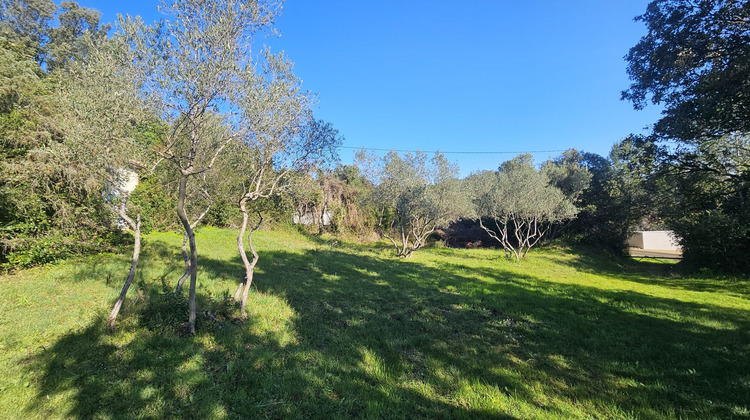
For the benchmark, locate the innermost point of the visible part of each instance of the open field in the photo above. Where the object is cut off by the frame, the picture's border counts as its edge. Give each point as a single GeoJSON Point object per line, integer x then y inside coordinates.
{"type": "Point", "coordinates": [338, 330]}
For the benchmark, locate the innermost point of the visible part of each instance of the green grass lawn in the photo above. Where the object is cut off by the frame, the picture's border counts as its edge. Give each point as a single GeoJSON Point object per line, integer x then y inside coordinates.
{"type": "Point", "coordinates": [340, 330]}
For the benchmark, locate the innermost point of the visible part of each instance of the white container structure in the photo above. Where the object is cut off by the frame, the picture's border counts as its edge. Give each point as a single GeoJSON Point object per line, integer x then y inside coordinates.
{"type": "Point", "coordinates": [662, 240]}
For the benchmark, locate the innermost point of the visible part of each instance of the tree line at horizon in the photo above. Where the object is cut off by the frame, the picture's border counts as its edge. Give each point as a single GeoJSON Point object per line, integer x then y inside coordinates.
{"type": "Point", "coordinates": [222, 133]}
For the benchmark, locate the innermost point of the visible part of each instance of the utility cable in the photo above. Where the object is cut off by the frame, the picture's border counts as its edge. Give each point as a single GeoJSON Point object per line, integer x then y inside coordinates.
{"type": "Point", "coordinates": [450, 152]}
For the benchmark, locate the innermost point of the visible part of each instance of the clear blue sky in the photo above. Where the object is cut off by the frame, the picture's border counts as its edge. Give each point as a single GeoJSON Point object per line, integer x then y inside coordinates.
{"type": "Point", "coordinates": [472, 75]}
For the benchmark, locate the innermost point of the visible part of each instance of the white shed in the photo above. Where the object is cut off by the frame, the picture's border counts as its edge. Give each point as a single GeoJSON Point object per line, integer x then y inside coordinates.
{"type": "Point", "coordinates": [662, 240]}
{"type": "Point", "coordinates": [310, 218]}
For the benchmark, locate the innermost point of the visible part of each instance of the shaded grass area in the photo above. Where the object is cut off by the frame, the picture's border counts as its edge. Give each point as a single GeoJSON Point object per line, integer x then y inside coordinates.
{"type": "Point", "coordinates": [343, 330]}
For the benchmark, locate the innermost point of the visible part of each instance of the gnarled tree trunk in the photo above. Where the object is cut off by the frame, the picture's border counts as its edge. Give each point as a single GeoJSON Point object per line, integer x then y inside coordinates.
{"type": "Point", "coordinates": [244, 287]}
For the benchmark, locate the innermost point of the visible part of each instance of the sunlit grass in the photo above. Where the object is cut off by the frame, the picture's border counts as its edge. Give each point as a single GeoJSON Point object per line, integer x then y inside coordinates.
{"type": "Point", "coordinates": [343, 330]}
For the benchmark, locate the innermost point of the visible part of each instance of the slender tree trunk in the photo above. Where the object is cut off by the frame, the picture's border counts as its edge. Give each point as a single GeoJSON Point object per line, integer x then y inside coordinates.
{"type": "Point", "coordinates": [501, 236]}
{"type": "Point", "coordinates": [241, 247]}
{"type": "Point", "coordinates": [186, 258]}
{"type": "Point", "coordinates": [193, 252]}
{"type": "Point", "coordinates": [249, 272]}
{"type": "Point", "coordinates": [404, 252]}
{"type": "Point", "coordinates": [244, 287]}
{"type": "Point", "coordinates": [185, 255]}
{"type": "Point", "coordinates": [321, 222]}
{"type": "Point", "coordinates": [112, 320]}
{"type": "Point", "coordinates": [238, 293]}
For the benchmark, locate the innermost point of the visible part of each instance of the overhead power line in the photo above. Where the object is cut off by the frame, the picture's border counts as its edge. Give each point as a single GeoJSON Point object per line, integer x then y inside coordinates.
{"type": "Point", "coordinates": [451, 152]}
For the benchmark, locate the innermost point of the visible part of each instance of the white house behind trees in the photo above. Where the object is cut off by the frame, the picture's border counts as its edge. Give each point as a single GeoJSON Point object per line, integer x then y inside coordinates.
{"type": "Point", "coordinates": [656, 240]}
{"type": "Point", "coordinates": [309, 217]}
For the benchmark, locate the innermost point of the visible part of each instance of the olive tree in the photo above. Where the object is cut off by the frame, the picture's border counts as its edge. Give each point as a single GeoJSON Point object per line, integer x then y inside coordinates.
{"type": "Point", "coordinates": [194, 67]}
{"type": "Point", "coordinates": [521, 204]}
{"type": "Point", "coordinates": [416, 196]}
{"type": "Point", "coordinates": [283, 138]}
{"type": "Point", "coordinates": [100, 112]}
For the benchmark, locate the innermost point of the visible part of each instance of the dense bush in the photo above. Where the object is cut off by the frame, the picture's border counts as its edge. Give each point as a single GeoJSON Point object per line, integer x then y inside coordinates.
{"type": "Point", "coordinates": [155, 204]}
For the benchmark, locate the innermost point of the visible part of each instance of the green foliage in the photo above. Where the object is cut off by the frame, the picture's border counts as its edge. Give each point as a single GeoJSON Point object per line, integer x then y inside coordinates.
{"type": "Point", "coordinates": [39, 251]}
{"type": "Point", "coordinates": [416, 196]}
{"type": "Point", "coordinates": [345, 195]}
{"type": "Point", "coordinates": [716, 239]}
{"type": "Point", "coordinates": [709, 208]}
{"type": "Point", "coordinates": [343, 330]}
{"type": "Point", "coordinates": [568, 173]}
{"type": "Point", "coordinates": [40, 195]}
{"type": "Point", "coordinates": [155, 204]}
{"type": "Point", "coordinates": [358, 210]}
{"type": "Point", "coordinates": [222, 214]}
{"type": "Point", "coordinates": [54, 36]}
{"type": "Point", "coordinates": [27, 23]}
{"type": "Point", "coordinates": [695, 61]}
{"type": "Point", "coordinates": [625, 194]}
{"type": "Point", "coordinates": [520, 202]}
{"type": "Point", "coordinates": [69, 39]}
{"type": "Point", "coordinates": [55, 189]}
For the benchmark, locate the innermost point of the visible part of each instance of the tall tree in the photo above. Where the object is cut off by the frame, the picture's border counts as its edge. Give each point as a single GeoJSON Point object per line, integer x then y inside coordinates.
{"type": "Point", "coordinates": [568, 173]}
{"type": "Point", "coordinates": [194, 67]}
{"type": "Point", "coordinates": [49, 206]}
{"type": "Point", "coordinates": [54, 35]}
{"type": "Point", "coordinates": [69, 39]}
{"type": "Point", "coordinates": [709, 209]}
{"type": "Point", "coordinates": [282, 138]}
{"type": "Point", "coordinates": [695, 61]}
{"type": "Point", "coordinates": [27, 22]}
{"type": "Point", "coordinates": [101, 111]}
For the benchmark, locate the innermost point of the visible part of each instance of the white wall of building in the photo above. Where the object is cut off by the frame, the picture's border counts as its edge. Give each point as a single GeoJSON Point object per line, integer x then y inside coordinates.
{"type": "Point", "coordinates": [665, 240]}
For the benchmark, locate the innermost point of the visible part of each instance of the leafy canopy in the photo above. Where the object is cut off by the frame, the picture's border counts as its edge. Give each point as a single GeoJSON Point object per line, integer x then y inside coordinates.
{"type": "Point", "coordinates": [695, 61]}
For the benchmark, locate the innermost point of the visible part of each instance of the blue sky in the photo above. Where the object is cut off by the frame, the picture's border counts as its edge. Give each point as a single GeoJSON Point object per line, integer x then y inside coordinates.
{"type": "Point", "coordinates": [471, 75]}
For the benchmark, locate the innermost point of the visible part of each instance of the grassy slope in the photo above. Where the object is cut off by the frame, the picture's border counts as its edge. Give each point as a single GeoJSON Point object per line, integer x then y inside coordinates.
{"type": "Point", "coordinates": [339, 330]}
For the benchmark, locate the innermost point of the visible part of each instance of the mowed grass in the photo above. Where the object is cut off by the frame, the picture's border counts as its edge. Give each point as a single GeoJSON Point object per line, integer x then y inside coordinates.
{"type": "Point", "coordinates": [340, 330]}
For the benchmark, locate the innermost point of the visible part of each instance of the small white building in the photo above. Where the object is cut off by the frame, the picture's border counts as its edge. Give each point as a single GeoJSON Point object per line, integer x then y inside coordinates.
{"type": "Point", "coordinates": [661, 240]}
{"type": "Point", "coordinates": [311, 218]}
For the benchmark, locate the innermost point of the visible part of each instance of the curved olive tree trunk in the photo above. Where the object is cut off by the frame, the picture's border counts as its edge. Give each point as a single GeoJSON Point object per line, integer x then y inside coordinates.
{"type": "Point", "coordinates": [185, 255]}
{"type": "Point", "coordinates": [112, 320]}
{"type": "Point", "coordinates": [501, 235]}
{"type": "Point", "coordinates": [244, 287]}
{"type": "Point", "coordinates": [412, 237]}
{"type": "Point", "coordinates": [193, 252]}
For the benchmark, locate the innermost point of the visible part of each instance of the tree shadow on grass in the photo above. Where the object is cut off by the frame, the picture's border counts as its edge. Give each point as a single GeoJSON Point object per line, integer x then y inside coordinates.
{"type": "Point", "coordinates": [341, 335]}
{"type": "Point", "coordinates": [241, 369]}
{"type": "Point", "coordinates": [655, 272]}
{"type": "Point", "coordinates": [218, 373]}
